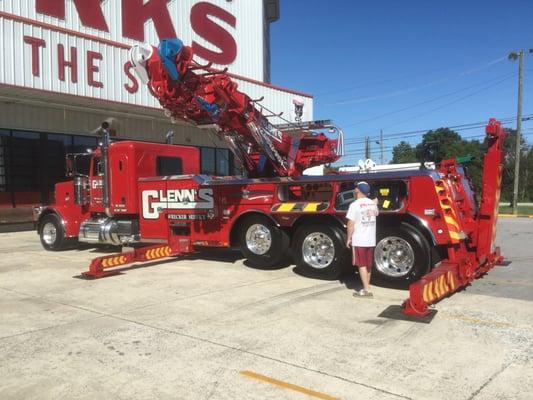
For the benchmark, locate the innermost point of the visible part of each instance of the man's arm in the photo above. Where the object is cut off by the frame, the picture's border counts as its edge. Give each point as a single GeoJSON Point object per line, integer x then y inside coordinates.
{"type": "Point", "coordinates": [349, 228]}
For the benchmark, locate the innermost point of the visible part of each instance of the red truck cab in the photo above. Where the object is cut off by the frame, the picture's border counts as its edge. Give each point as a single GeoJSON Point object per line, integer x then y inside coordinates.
{"type": "Point", "coordinates": [79, 211]}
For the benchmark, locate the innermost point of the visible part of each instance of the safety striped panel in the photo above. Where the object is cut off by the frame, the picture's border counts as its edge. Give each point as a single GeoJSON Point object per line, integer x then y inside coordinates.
{"type": "Point", "coordinates": [439, 287]}
{"type": "Point", "coordinates": [158, 252]}
{"type": "Point", "coordinates": [304, 207]}
{"type": "Point", "coordinates": [113, 261]}
{"type": "Point", "coordinates": [450, 216]}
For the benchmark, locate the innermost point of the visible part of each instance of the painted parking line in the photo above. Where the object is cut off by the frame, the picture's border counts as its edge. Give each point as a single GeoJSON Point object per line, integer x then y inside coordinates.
{"type": "Point", "coordinates": [514, 216]}
{"type": "Point", "coordinates": [476, 321]}
{"type": "Point", "coordinates": [286, 385]}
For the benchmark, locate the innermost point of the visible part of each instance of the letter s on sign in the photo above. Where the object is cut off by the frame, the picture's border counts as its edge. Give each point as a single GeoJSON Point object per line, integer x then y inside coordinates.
{"type": "Point", "coordinates": [207, 196]}
{"type": "Point", "coordinates": [213, 33]}
{"type": "Point", "coordinates": [148, 211]}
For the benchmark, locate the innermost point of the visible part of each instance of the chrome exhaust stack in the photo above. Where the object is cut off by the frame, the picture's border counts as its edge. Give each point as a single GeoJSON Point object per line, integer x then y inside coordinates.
{"type": "Point", "coordinates": [105, 130]}
{"type": "Point", "coordinates": [104, 148]}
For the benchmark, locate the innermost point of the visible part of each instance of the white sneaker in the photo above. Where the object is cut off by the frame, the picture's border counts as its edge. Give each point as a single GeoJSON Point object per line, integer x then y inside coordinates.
{"type": "Point", "coordinates": [363, 293]}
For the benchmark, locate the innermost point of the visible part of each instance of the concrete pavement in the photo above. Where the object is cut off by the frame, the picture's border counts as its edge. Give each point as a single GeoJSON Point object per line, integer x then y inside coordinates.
{"type": "Point", "coordinates": [212, 328]}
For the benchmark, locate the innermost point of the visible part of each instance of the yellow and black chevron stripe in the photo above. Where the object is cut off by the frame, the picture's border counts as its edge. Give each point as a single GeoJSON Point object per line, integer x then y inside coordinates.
{"type": "Point", "coordinates": [438, 287]}
{"type": "Point", "coordinates": [113, 261]}
{"type": "Point", "coordinates": [300, 207]}
{"type": "Point", "coordinates": [446, 204]}
{"type": "Point", "coordinates": [159, 252]}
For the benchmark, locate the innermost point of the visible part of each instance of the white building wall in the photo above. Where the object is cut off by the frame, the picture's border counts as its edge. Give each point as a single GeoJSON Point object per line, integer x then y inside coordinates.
{"type": "Point", "coordinates": [19, 19]}
{"type": "Point", "coordinates": [248, 30]}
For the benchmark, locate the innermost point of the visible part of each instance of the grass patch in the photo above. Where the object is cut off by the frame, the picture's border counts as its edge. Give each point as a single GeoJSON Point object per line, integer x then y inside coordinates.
{"type": "Point", "coordinates": [522, 210]}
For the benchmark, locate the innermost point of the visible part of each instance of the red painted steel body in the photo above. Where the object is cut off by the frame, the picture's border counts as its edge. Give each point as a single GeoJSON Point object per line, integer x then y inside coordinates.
{"type": "Point", "coordinates": [474, 252]}
{"type": "Point", "coordinates": [204, 96]}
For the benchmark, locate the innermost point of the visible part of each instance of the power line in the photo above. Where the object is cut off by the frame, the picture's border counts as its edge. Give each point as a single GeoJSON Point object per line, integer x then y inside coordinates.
{"type": "Point", "coordinates": [451, 102]}
{"type": "Point", "coordinates": [415, 88]}
{"type": "Point", "coordinates": [457, 127]}
{"type": "Point", "coordinates": [420, 134]}
{"type": "Point", "coordinates": [377, 82]}
{"type": "Point", "coordinates": [427, 101]}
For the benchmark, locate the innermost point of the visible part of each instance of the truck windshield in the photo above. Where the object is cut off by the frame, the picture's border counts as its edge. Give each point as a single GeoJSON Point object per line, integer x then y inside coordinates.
{"type": "Point", "coordinates": [78, 164]}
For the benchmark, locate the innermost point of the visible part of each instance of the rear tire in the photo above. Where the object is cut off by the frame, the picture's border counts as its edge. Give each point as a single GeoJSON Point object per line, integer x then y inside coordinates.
{"type": "Point", "coordinates": [52, 234]}
{"type": "Point", "coordinates": [262, 243]}
{"type": "Point", "coordinates": [320, 251]}
{"type": "Point", "coordinates": [402, 254]}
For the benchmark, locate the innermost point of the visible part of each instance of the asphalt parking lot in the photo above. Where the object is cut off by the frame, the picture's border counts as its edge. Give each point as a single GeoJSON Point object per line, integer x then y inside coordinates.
{"type": "Point", "coordinates": [213, 328]}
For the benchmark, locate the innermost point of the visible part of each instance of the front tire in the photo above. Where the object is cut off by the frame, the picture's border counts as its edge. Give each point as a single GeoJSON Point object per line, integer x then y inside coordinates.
{"type": "Point", "coordinates": [52, 234]}
{"type": "Point", "coordinates": [320, 251]}
{"type": "Point", "coordinates": [402, 254]}
{"type": "Point", "coordinates": [262, 243]}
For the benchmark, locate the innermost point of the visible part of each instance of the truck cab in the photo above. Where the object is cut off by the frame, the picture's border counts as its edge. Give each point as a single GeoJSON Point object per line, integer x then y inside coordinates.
{"type": "Point", "coordinates": [100, 204]}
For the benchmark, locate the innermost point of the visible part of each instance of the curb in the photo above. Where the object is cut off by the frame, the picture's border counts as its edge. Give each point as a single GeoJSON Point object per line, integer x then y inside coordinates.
{"type": "Point", "coordinates": [514, 216]}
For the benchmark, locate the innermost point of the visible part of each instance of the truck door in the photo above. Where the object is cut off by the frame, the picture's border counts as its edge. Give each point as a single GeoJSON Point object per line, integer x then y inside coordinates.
{"type": "Point", "coordinates": [96, 183]}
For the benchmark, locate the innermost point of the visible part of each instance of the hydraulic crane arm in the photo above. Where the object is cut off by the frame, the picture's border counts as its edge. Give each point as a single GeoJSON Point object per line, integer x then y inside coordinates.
{"type": "Point", "coordinates": [195, 93]}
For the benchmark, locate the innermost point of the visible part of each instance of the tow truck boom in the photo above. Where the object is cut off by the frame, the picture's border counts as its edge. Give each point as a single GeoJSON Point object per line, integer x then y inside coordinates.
{"type": "Point", "coordinates": [198, 94]}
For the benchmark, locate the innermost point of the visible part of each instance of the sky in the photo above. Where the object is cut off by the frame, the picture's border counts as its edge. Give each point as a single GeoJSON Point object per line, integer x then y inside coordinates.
{"type": "Point", "coordinates": [405, 66]}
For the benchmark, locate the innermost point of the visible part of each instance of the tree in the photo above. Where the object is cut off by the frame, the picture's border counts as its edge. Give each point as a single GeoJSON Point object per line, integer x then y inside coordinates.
{"type": "Point", "coordinates": [438, 145]}
{"type": "Point", "coordinates": [525, 180]}
{"type": "Point", "coordinates": [441, 144]}
{"type": "Point", "coordinates": [403, 152]}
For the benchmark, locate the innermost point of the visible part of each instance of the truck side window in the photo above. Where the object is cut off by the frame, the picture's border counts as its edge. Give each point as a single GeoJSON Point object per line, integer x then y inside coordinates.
{"type": "Point", "coordinates": [307, 192]}
{"type": "Point", "coordinates": [169, 166]}
{"type": "Point", "coordinates": [390, 195]}
{"type": "Point", "coordinates": [98, 167]}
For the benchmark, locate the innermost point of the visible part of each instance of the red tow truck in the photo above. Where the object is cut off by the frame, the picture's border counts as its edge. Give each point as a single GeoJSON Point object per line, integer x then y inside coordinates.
{"type": "Point", "coordinates": [433, 231]}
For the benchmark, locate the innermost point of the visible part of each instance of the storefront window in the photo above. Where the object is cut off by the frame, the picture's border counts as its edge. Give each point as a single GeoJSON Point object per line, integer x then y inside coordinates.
{"type": "Point", "coordinates": [24, 168]}
{"type": "Point", "coordinates": [31, 163]}
{"type": "Point", "coordinates": [82, 143]}
{"type": "Point", "coordinates": [5, 197]}
{"type": "Point", "coordinates": [57, 147]}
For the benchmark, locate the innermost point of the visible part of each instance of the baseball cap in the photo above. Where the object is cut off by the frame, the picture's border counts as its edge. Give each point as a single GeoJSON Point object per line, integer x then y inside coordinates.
{"type": "Point", "coordinates": [363, 187]}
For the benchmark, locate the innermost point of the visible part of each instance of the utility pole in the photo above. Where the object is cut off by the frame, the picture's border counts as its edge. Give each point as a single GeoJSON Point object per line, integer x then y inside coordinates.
{"type": "Point", "coordinates": [381, 146]}
{"type": "Point", "coordinates": [367, 148]}
{"type": "Point", "coordinates": [520, 56]}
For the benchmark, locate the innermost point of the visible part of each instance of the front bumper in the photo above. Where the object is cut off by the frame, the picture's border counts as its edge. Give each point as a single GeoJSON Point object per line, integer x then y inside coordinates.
{"type": "Point", "coordinates": [37, 211]}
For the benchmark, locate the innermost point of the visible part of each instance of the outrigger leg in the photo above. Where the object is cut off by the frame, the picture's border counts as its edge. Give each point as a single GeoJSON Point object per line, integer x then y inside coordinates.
{"type": "Point", "coordinates": [444, 280]}
{"type": "Point", "coordinates": [100, 266]}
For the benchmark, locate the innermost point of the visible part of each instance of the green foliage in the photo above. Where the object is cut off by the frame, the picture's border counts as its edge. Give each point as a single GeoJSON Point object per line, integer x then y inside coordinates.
{"type": "Point", "coordinates": [444, 143]}
{"type": "Point", "coordinates": [403, 152]}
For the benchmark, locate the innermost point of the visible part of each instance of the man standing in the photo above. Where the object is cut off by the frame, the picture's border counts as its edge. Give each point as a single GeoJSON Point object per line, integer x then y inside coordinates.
{"type": "Point", "coordinates": [361, 235]}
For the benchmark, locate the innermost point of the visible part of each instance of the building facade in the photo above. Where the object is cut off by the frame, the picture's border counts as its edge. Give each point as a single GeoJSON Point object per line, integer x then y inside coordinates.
{"type": "Point", "coordinates": [64, 69]}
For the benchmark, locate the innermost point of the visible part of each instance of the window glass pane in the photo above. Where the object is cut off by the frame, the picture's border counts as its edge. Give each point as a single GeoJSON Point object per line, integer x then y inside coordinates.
{"type": "Point", "coordinates": [24, 168]}
{"type": "Point", "coordinates": [57, 147]}
{"type": "Point", "coordinates": [26, 135]}
{"type": "Point", "coordinates": [169, 166]}
{"type": "Point", "coordinates": [82, 143]}
{"type": "Point", "coordinates": [208, 165]}
{"type": "Point", "coordinates": [222, 162]}
{"type": "Point", "coordinates": [5, 198]}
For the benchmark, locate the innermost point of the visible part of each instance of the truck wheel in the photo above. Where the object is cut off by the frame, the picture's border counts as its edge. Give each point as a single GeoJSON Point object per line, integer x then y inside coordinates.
{"type": "Point", "coordinates": [52, 233]}
{"type": "Point", "coordinates": [402, 254]}
{"type": "Point", "coordinates": [262, 243]}
{"type": "Point", "coordinates": [320, 251]}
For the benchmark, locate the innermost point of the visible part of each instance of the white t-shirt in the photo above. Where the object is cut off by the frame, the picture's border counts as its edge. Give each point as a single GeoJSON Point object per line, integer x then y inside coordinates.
{"type": "Point", "coordinates": [363, 213]}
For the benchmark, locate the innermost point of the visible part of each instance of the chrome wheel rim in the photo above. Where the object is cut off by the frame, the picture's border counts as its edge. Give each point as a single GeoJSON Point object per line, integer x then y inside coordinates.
{"type": "Point", "coordinates": [394, 256]}
{"type": "Point", "coordinates": [318, 250]}
{"type": "Point", "coordinates": [49, 233]}
{"type": "Point", "coordinates": [258, 239]}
